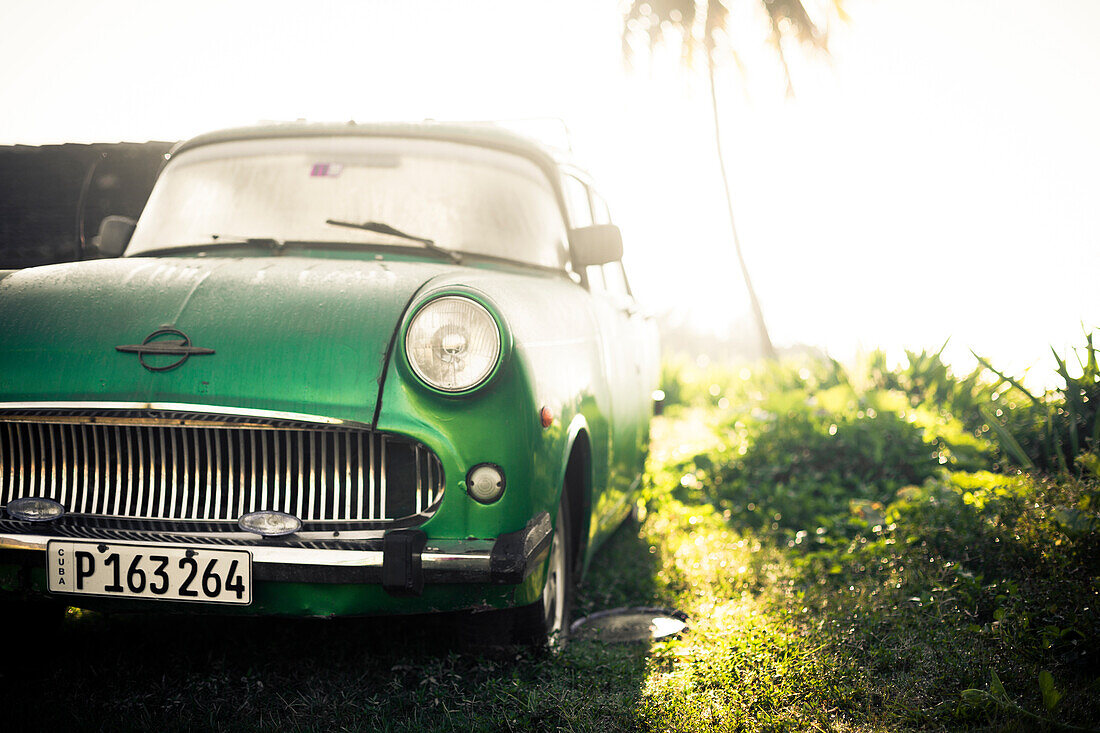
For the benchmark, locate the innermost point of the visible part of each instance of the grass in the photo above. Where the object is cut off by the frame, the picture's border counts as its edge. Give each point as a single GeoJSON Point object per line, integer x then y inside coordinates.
{"type": "Point", "coordinates": [849, 561]}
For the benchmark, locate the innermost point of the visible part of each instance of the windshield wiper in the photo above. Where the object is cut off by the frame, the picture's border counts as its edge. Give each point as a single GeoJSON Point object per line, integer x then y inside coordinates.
{"type": "Point", "coordinates": [374, 226]}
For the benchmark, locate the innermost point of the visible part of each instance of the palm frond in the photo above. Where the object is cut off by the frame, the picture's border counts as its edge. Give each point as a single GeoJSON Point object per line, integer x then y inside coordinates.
{"type": "Point", "coordinates": [702, 22]}
{"type": "Point", "coordinates": [789, 17]}
{"type": "Point", "coordinates": [649, 18]}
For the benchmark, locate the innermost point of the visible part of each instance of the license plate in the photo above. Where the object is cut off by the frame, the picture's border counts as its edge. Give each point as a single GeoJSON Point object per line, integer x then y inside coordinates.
{"type": "Point", "coordinates": [150, 572]}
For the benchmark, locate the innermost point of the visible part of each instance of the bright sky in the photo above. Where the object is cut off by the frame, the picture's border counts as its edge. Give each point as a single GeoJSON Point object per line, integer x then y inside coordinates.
{"type": "Point", "coordinates": [937, 177]}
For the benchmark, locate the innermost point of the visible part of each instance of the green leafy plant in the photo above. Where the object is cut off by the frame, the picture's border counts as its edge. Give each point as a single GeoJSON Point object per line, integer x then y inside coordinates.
{"type": "Point", "coordinates": [1055, 430]}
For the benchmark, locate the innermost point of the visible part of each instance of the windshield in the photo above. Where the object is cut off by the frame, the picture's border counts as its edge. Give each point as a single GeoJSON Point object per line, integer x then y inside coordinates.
{"type": "Point", "coordinates": [462, 197]}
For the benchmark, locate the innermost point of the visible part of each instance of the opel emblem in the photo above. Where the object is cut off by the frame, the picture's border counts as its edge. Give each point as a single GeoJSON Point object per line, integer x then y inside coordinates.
{"type": "Point", "coordinates": [156, 343]}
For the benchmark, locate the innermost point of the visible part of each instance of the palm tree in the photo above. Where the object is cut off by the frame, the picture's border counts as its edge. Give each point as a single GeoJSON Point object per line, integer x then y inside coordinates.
{"type": "Point", "coordinates": [701, 23]}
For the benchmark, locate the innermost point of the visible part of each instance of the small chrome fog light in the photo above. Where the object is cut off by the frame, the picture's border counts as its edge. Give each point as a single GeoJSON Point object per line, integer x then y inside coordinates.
{"type": "Point", "coordinates": [269, 523]}
{"type": "Point", "coordinates": [485, 482]}
{"type": "Point", "coordinates": [35, 509]}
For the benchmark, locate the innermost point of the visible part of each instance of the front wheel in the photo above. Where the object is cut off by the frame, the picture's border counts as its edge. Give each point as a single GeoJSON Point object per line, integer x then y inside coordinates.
{"type": "Point", "coordinates": [547, 620]}
{"type": "Point", "coordinates": [544, 622]}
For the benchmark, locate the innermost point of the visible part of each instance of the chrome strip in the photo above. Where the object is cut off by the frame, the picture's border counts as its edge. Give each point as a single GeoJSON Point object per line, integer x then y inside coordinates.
{"type": "Point", "coordinates": [64, 496]}
{"type": "Point", "coordinates": [11, 478]}
{"type": "Point", "coordinates": [347, 475]}
{"type": "Point", "coordinates": [312, 475]}
{"type": "Point", "coordinates": [252, 470]}
{"type": "Point", "coordinates": [9, 485]}
{"type": "Point", "coordinates": [277, 474]}
{"type": "Point", "coordinates": [263, 472]}
{"type": "Point", "coordinates": [180, 407]}
{"type": "Point", "coordinates": [164, 473]}
{"type": "Point", "coordinates": [359, 457]}
{"type": "Point", "coordinates": [45, 490]}
{"type": "Point", "coordinates": [133, 435]}
{"type": "Point", "coordinates": [232, 487]}
{"type": "Point", "coordinates": [472, 556]}
{"type": "Point", "coordinates": [19, 440]}
{"type": "Point", "coordinates": [301, 475]}
{"type": "Point", "coordinates": [53, 464]}
{"type": "Point", "coordinates": [419, 482]}
{"type": "Point", "coordinates": [95, 461]}
{"type": "Point", "coordinates": [245, 412]}
{"type": "Point", "coordinates": [431, 484]}
{"type": "Point", "coordinates": [187, 469]}
{"type": "Point", "coordinates": [320, 511]}
{"type": "Point", "coordinates": [156, 483]}
{"type": "Point", "coordinates": [130, 440]}
{"type": "Point", "coordinates": [34, 463]}
{"type": "Point", "coordinates": [118, 472]}
{"type": "Point", "coordinates": [35, 442]}
{"type": "Point", "coordinates": [372, 514]}
{"type": "Point", "coordinates": [289, 472]}
{"type": "Point", "coordinates": [154, 461]}
{"type": "Point", "coordinates": [80, 456]}
{"type": "Point", "coordinates": [217, 479]}
{"type": "Point", "coordinates": [209, 482]}
{"type": "Point", "coordinates": [141, 474]}
{"type": "Point", "coordinates": [337, 478]}
{"type": "Point", "coordinates": [175, 468]}
{"type": "Point", "coordinates": [146, 450]}
{"type": "Point", "coordinates": [4, 485]}
{"type": "Point", "coordinates": [382, 476]}
{"type": "Point", "coordinates": [243, 485]}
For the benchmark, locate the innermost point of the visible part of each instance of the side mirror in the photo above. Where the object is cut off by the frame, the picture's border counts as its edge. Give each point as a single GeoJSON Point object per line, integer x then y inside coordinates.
{"type": "Point", "coordinates": [114, 235]}
{"type": "Point", "coordinates": [596, 245]}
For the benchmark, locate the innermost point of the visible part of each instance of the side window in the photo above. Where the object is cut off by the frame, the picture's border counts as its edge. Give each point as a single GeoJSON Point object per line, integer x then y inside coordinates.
{"type": "Point", "coordinates": [615, 279]}
{"type": "Point", "coordinates": [596, 283]}
{"type": "Point", "coordinates": [600, 212]}
{"type": "Point", "coordinates": [580, 213]}
{"type": "Point", "coordinates": [576, 200]}
{"type": "Point", "coordinates": [612, 274]}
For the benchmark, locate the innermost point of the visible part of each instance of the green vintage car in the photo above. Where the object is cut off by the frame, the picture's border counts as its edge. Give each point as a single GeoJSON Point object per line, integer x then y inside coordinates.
{"type": "Point", "coordinates": [337, 370]}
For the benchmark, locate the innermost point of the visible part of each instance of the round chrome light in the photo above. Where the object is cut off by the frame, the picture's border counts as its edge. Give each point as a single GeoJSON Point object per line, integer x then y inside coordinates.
{"type": "Point", "coordinates": [485, 482]}
{"type": "Point", "coordinates": [269, 523]}
{"type": "Point", "coordinates": [453, 343]}
{"type": "Point", "coordinates": [35, 509]}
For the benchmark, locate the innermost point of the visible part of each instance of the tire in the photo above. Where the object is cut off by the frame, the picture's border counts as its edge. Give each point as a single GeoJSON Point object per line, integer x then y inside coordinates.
{"type": "Point", "coordinates": [546, 622]}
{"type": "Point", "coordinates": [539, 624]}
{"type": "Point", "coordinates": [542, 623]}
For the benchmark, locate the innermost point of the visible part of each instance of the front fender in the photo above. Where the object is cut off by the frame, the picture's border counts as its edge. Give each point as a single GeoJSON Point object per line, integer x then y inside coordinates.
{"type": "Point", "coordinates": [498, 423]}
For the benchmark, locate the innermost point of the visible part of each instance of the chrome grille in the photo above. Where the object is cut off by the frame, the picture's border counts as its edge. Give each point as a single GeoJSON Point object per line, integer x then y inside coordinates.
{"type": "Point", "coordinates": [217, 473]}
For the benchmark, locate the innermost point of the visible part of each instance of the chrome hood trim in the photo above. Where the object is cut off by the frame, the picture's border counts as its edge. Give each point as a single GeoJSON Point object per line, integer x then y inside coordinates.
{"type": "Point", "coordinates": [202, 414]}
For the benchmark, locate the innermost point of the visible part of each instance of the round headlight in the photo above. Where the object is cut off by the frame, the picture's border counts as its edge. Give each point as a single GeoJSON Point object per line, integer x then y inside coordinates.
{"type": "Point", "coordinates": [453, 343]}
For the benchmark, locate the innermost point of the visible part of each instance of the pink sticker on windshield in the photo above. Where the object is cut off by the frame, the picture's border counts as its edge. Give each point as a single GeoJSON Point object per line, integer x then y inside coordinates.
{"type": "Point", "coordinates": [326, 170]}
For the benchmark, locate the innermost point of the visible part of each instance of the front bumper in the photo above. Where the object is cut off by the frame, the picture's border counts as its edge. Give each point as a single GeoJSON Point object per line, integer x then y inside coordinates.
{"type": "Point", "coordinates": [402, 561]}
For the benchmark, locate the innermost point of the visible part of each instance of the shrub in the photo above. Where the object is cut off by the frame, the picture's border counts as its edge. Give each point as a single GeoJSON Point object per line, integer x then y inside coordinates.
{"type": "Point", "coordinates": [799, 467]}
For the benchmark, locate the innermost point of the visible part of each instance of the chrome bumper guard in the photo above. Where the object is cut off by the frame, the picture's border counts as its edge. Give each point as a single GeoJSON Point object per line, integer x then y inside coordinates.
{"type": "Point", "coordinates": [402, 560]}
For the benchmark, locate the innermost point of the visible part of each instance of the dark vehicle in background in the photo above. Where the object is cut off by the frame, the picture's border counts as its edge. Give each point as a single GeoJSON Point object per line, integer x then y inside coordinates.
{"type": "Point", "coordinates": [53, 197]}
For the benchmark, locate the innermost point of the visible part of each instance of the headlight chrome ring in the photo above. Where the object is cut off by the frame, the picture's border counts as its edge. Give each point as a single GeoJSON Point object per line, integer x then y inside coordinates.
{"type": "Point", "coordinates": [453, 343]}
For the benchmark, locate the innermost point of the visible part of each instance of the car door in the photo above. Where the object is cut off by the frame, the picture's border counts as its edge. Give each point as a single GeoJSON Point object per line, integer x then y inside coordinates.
{"type": "Point", "coordinates": [641, 361]}
{"type": "Point", "coordinates": [613, 314]}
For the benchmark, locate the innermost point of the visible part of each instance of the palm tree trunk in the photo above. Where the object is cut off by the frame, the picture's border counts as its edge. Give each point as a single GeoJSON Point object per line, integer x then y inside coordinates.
{"type": "Point", "coordinates": [765, 340]}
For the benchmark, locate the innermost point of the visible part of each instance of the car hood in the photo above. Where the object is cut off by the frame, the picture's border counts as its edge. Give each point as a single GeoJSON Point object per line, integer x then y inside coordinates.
{"type": "Point", "coordinates": [293, 334]}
